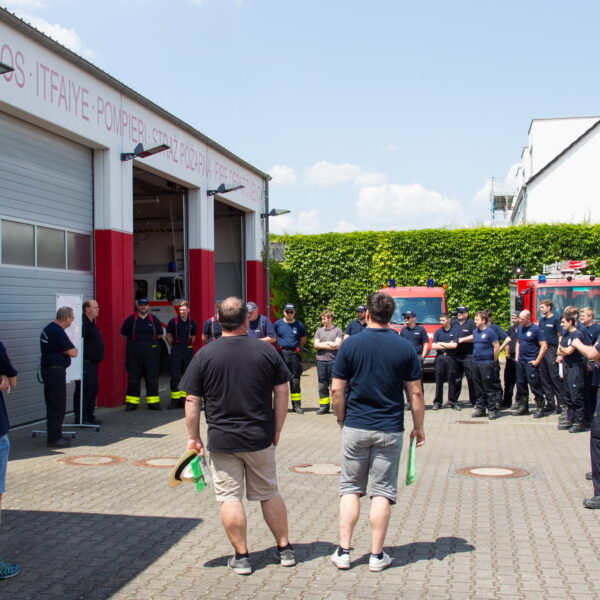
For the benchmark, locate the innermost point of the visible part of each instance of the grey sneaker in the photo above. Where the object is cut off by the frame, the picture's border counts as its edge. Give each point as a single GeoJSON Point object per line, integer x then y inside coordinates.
{"type": "Point", "coordinates": [379, 564]}
{"type": "Point", "coordinates": [341, 562]}
{"type": "Point", "coordinates": [241, 566]}
{"type": "Point", "coordinates": [286, 558]}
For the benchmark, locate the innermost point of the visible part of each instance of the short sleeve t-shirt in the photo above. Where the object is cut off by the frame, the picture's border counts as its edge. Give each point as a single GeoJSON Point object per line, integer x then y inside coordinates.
{"type": "Point", "coordinates": [594, 331]}
{"type": "Point", "coordinates": [376, 364]}
{"type": "Point", "coordinates": [529, 339]}
{"type": "Point", "coordinates": [498, 331]}
{"type": "Point", "coordinates": [449, 336]}
{"type": "Point", "coordinates": [512, 345]}
{"type": "Point", "coordinates": [7, 369]}
{"type": "Point", "coordinates": [53, 342]}
{"type": "Point", "coordinates": [138, 329]}
{"type": "Point", "coordinates": [355, 327]}
{"type": "Point", "coordinates": [550, 327]}
{"type": "Point", "coordinates": [575, 358]}
{"type": "Point", "coordinates": [417, 336]}
{"type": "Point", "coordinates": [483, 345]}
{"type": "Point", "coordinates": [261, 328]}
{"type": "Point", "coordinates": [182, 331]}
{"type": "Point", "coordinates": [328, 335]}
{"type": "Point", "coordinates": [289, 334]}
{"type": "Point", "coordinates": [212, 328]}
{"type": "Point", "coordinates": [465, 330]}
{"type": "Point", "coordinates": [235, 375]}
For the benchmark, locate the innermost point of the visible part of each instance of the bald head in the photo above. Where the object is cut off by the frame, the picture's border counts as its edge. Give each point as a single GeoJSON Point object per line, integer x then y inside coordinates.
{"type": "Point", "coordinates": [525, 317]}
{"type": "Point", "coordinates": [233, 313]}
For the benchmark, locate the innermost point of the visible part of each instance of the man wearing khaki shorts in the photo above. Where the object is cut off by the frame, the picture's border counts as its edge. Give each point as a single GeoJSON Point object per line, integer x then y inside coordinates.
{"type": "Point", "coordinates": [244, 383]}
{"type": "Point", "coordinates": [374, 365]}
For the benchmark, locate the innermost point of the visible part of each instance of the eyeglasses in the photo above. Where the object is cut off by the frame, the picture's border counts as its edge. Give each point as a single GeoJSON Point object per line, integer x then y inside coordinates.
{"type": "Point", "coordinates": [289, 312]}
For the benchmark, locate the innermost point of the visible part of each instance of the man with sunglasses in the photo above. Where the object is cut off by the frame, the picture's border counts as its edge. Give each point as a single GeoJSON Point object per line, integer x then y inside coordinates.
{"type": "Point", "coordinates": [291, 337]}
{"type": "Point", "coordinates": [464, 352]}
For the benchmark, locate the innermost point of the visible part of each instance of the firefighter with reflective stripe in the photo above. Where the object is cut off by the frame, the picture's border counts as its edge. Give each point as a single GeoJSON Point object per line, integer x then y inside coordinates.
{"type": "Point", "coordinates": [327, 342]}
{"type": "Point", "coordinates": [181, 334]}
{"type": "Point", "coordinates": [142, 356]}
{"type": "Point", "coordinates": [291, 337]}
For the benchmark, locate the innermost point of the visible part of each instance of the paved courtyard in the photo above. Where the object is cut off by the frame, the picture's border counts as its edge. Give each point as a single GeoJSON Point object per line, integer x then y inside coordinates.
{"type": "Point", "coordinates": [97, 528]}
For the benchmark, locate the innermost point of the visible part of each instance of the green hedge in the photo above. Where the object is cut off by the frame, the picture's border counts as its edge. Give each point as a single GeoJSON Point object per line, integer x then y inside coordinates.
{"type": "Point", "coordinates": [338, 270]}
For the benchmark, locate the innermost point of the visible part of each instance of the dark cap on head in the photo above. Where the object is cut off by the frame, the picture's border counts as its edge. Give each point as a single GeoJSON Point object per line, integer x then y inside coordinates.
{"type": "Point", "coordinates": [289, 307]}
{"type": "Point", "coordinates": [361, 308]}
{"type": "Point", "coordinates": [409, 313]}
{"type": "Point", "coordinates": [251, 306]}
{"type": "Point", "coordinates": [462, 309]}
{"type": "Point", "coordinates": [142, 301]}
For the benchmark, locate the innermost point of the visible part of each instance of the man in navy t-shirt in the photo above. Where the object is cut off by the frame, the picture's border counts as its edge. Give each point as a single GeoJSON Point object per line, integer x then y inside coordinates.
{"type": "Point", "coordinates": [374, 366]}
{"type": "Point", "coordinates": [550, 377]}
{"type": "Point", "coordinates": [531, 347]}
{"type": "Point", "coordinates": [357, 325]}
{"type": "Point", "coordinates": [485, 353]}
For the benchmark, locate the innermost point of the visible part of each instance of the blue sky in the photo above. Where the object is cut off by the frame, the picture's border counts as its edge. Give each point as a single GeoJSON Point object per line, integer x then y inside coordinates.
{"type": "Point", "coordinates": [368, 115]}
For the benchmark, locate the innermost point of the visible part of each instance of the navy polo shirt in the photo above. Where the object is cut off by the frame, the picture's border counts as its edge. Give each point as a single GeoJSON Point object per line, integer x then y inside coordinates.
{"type": "Point", "coordinates": [483, 342]}
{"type": "Point", "coordinates": [53, 342]}
{"type": "Point", "coordinates": [575, 358]}
{"type": "Point", "coordinates": [529, 342]}
{"type": "Point", "coordinates": [355, 327]}
{"type": "Point", "coordinates": [289, 334]}
{"type": "Point", "coordinates": [551, 328]}
{"type": "Point", "coordinates": [417, 336]}
{"type": "Point", "coordinates": [7, 369]}
{"type": "Point", "coordinates": [376, 364]}
{"type": "Point", "coordinates": [449, 336]}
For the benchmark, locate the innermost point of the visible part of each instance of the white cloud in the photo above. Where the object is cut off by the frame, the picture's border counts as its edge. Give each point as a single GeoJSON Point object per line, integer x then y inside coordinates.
{"type": "Point", "coordinates": [370, 179]}
{"type": "Point", "coordinates": [307, 222]}
{"type": "Point", "coordinates": [389, 148]}
{"type": "Point", "coordinates": [283, 175]}
{"type": "Point", "coordinates": [325, 173]}
{"type": "Point", "coordinates": [67, 36]}
{"type": "Point", "coordinates": [412, 206]}
{"type": "Point", "coordinates": [344, 227]}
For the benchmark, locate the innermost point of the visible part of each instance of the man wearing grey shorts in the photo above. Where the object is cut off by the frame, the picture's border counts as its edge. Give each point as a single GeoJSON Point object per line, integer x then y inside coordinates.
{"type": "Point", "coordinates": [374, 366]}
{"type": "Point", "coordinates": [244, 383]}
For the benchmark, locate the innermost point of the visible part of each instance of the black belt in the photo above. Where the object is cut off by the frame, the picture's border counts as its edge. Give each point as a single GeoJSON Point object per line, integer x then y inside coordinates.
{"type": "Point", "coordinates": [54, 367]}
{"type": "Point", "coordinates": [290, 349]}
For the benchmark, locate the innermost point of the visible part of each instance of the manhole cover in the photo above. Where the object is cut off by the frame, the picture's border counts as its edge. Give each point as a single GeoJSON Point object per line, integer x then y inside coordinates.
{"type": "Point", "coordinates": [92, 460]}
{"type": "Point", "coordinates": [472, 422]}
{"type": "Point", "coordinates": [317, 469]}
{"type": "Point", "coordinates": [492, 472]}
{"type": "Point", "coordinates": [159, 462]}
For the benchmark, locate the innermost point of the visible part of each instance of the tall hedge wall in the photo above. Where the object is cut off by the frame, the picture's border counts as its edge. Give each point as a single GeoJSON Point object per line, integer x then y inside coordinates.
{"type": "Point", "coordinates": [338, 270]}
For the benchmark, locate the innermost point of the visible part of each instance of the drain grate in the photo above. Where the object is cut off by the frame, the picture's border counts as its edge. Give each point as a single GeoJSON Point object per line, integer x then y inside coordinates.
{"type": "Point", "coordinates": [472, 422]}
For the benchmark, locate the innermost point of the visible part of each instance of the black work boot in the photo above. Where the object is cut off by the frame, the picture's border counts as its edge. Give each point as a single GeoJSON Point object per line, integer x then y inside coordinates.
{"type": "Point", "coordinates": [539, 408]}
{"type": "Point", "coordinates": [523, 407]}
{"type": "Point", "coordinates": [323, 409]}
{"type": "Point", "coordinates": [154, 406]}
{"type": "Point", "coordinates": [479, 412]}
{"type": "Point", "coordinates": [297, 408]}
{"type": "Point", "coordinates": [129, 406]}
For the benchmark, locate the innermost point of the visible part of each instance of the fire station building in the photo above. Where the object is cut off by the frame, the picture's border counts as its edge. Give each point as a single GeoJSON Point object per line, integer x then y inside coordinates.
{"type": "Point", "coordinates": [85, 210]}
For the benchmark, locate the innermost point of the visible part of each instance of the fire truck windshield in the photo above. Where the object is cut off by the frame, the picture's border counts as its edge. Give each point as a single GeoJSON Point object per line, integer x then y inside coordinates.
{"type": "Point", "coordinates": [428, 310]}
{"type": "Point", "coordinates": [563, 296]}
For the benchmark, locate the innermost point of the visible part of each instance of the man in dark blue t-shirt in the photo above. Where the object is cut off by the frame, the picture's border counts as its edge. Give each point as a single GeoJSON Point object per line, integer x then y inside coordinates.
{"type": "Point", "coordinates": [57, 351]}
{"type": "Point", "coordinates": [531, 347]}
{"type": "Point", "coordinates": [485, 354]}
{"type": "Point", "coordinates": [357, 325]}
{"type": "Point", "coordinates": [374, 366]}
{"type": "Point", "coordinates": [550, 377]}
{"type": "Point", "coordinates": [445, 342]}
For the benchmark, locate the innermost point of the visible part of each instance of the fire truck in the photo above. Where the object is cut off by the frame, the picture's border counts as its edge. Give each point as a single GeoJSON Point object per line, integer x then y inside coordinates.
{"type": "Point", "coordinates": [560, 282]}
{"type": "Point", "coordinates": [428, 302]}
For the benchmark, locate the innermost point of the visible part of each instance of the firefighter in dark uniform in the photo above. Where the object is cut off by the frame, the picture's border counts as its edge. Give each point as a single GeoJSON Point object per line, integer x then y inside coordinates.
{"type": "Point", "coordinates": [181, 333]}
{"type": "Point", "coordinates": [593, 353]}
{"type": "Point", "coordinates": [357, 325]}
{"type": "Point", "coordinates": [142, 356]}
{"type": "Point", "coordinates": [485, 355]}
{"type": "Point", "coordinates": [418, 338]}
{"type": "Point", "coordinates": [501, 337]}
{"type": "Point", "coordinates": [574, 376]}
{"type": "Point", "coordinates": [531, 347]}
{"type": "Point", "coordinates": [551, 381]}
{"type": "Point", "coordinates": [291, 337]}
{"type": "Point", "coordinates": [591, 388]}
{"type": "Point", "coordinates": [445, 342]}
{"type": "Point", "coordinates": [464, 352]}
{"type": "Point", "coordinates": [510, 365]}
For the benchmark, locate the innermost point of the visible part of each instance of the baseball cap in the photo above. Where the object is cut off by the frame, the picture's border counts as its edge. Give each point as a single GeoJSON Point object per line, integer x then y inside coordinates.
{"type": "Point", "coordinates": [251, 306]}
{"type": "Point", "coordinates": [289, 307]}
{"type": "Point", "coordinates": [462, 309]}
{"type": "Point", "coordinates": [361, 308]}
{"type": "Point", "coordinates": [143, 301]}
{"type": "Point", "coordinates": [515, 313]}
{"type": "Point", "coordinates": [409, 313]}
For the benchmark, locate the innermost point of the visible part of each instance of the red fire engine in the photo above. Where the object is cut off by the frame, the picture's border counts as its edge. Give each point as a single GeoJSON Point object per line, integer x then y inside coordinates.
{"type": "Point", "coordinates": [560, 282]}
{"type": "Point", "coordinates": [428, 302]}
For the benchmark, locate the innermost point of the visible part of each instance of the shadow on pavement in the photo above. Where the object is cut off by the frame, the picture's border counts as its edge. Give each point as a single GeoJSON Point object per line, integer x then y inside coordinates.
{"type": "Point", "coordinates": [82, 555]}
{"type": "Point", "coordinates": [264, 558]}
{"type": "Point", "coordinates": [416, 551]}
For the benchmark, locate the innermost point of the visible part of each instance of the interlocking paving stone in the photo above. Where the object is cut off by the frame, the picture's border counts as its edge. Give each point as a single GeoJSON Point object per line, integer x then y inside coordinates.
{"type": "Point", "coordinates": [118, 532]}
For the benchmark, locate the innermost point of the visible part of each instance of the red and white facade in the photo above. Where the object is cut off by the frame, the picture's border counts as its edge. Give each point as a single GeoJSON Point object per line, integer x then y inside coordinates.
{"type": "Point", "coordinates": [58, 92]}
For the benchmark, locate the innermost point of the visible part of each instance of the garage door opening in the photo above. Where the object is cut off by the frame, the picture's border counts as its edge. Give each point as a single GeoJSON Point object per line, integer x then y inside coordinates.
{"type": "Point", "coordinates": [159, 243]}
{"type": "Point", "coordinates": [230, 274]}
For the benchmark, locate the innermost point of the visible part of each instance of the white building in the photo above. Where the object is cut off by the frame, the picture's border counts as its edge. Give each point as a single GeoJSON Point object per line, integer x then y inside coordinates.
{"type": "Point", "coordinates": [558, 180]}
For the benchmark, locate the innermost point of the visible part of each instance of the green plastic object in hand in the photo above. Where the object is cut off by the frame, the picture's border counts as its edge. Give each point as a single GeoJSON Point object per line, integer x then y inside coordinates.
{"type": "Point", "coordinates": [411, 470]}
{"type": "Point", "coordinates": [198, 472]}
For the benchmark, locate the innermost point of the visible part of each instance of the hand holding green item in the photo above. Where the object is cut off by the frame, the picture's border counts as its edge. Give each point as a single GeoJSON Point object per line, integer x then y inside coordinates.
{"type": "Point", "coordinates": [411, 471]}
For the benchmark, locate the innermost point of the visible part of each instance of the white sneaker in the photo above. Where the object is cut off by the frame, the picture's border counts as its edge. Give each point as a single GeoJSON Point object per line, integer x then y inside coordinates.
{"type": "Point", "coordinates": [341, 562]}
{"type": "Point", "coordinates": [379, 564]}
